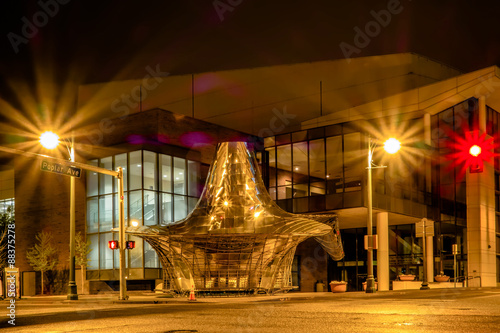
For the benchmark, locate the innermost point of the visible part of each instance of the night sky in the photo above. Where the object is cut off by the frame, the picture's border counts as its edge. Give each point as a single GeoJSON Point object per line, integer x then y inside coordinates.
{"type": "Point", "coordinates": [93, 41]}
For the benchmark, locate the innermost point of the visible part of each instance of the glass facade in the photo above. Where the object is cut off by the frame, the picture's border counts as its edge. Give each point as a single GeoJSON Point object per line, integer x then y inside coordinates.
{"type": "Point", "coordinates": [159, 189]}
{"type": "Point", "coordinates": [324, 169]}
{"type": "Point", "coordinates": [7, 205]}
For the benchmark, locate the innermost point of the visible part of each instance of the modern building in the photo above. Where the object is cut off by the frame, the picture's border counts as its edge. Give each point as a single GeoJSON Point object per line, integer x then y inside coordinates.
{"type": "Point", "coordinates": [311, 124]}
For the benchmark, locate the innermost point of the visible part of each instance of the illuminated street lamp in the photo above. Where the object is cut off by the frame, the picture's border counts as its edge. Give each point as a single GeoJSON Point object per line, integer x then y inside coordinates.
{"type": "Point", "coordinates": [391, 146]}
{"type": "Point", "coordinates": [50, 140]}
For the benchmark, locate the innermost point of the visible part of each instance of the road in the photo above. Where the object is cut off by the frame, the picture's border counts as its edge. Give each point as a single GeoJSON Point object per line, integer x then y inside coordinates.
{"type": "Point", "coordinates": [446, 310]}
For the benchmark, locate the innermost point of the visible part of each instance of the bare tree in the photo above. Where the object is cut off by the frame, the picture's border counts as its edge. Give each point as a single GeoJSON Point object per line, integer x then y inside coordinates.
{"type": "Point", "coordinates": [42, 256]}
{"type": "Point", "coordinates": [82, 250]}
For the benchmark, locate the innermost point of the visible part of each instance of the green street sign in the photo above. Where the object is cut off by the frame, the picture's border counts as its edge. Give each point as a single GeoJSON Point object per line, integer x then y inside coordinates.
{"type": "Point", "coordinates": [61, 169]}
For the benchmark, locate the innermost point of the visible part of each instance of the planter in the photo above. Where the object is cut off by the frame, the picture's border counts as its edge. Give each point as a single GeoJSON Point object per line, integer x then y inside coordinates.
{"type": "Point", "coordinates": [442, 278]}
{"type": "Point", "coordinates": [338, 286]}
{"type": "Point", "coordinates": [376, 285]}
{"type": "Point", "coordinates": [406, 277]}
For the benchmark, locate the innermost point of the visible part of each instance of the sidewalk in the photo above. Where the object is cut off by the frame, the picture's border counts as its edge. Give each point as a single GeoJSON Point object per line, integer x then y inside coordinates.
{"type": "Point", "coordinates": [159, 298]}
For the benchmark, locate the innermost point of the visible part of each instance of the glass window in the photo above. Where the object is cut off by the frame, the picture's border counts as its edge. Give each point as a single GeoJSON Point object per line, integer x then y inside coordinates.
{"type": "Point", "coordinates": [353, 161]}
{"type": "Point", "coordinates": [135, 255]}
{"type": "Point", "coordinates": [150, 256]}
{"type": "Point", "coordinates": [272, 166]}
{"type": "Point", "coordinates": [317, 166]}
{"type": "Point", "coordinates": [150, 208]}
{"type": "Point", "coordinates": [105, 213]}
{"type": "Point", "coordinates": [106, 181]}
{"type": "Point", "coordinates": [269, 141]}
{"type": "Point", "coordinates": [192, 204]}
{"type": "Point", "coordinates": [135, 168]}
{"type": "Point", "coordinates": [150, 173]}
{"type": "Point", "coordinates": [166, 173]}
{"type": "Point", "coordinates": [135, 206]}
{"type": "Point", "coordinates": [145, 174]}
{"type": "Point", "coordinates": [180, 207]}
{"type": "Point", "coordinates": [92, 180]}
{"type": "Point", "coordinates": [285, 192]}
{"type": "Point", "coordinates": [334, 165]}
{"type": "Point", "coordinates": [166, 208]}
{"type": "Point", "coordinates": [92, 215]}
{"type": "Point", "coordinates": [284, 164]}
{"type": "Point", "coordinates": [283, 139]}
{"type": "Point", "coordinates": [93, 256]}
{"type": "Point", "coordinates": [300, 164]}
{"type": "Point", "coordinates": [121, 161]}
{"type": "Point", "coordinates": [194, 180]}
{"type": "Point", "coordinates": [299, 136]}
{"type": "Point", "coordinates": [179, 175]}
{"type": "Point", "coordinates": [106, 254]}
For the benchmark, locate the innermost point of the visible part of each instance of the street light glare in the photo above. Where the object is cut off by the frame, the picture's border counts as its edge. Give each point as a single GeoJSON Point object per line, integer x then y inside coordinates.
{"type": "Point", "coordinates": [49, 140]}
{"type": "Point", "coordinates": [392, 146]}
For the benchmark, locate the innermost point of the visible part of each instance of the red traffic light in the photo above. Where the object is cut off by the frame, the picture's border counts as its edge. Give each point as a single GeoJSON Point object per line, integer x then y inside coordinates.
{"type": "Point", "coordinates": [130, 245]}
{"type": "Point", "coordinates": [113, 244]}
{"type": "Point", "coordinates": [470, 151]}
{"type": "Point", "coordinates": [476, 163]}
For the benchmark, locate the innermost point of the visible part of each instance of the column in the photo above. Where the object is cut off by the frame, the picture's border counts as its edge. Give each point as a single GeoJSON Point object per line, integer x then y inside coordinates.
{"type": "Point", "coordinates": [383, 251]}
{"type": "Point", "coordinates": [481, 219]}
{"type": "Point", "coordinates": [428, 142]}
{"type": "Point", "coordinates": [429, 244]}
{"type": "Point", "coordinates": [429, 256]}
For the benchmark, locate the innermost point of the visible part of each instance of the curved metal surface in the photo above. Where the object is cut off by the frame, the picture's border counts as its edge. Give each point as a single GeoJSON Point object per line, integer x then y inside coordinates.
{"type": "Point", "coordinates": [236, 238]}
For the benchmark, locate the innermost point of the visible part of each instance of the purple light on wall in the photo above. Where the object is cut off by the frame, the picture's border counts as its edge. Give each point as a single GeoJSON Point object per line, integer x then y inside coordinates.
{"type": "Point", "coordinates": [155, 139]}
{"type": "Point", "coordinates": [136, 139]}
{"type": "Point", "coordinates": [190, 139]}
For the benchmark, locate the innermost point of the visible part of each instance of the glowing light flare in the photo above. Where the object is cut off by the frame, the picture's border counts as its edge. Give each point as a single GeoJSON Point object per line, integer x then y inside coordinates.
{"type": "Point", "coordinates": [49, 140]}
{"type": "Point", "coordinates": [135, 223]}
{"type": "Point", "coordinates": [475, 150]}
{"type": "Point", "coordinates": [470, 151]}
{"type": "Point", "coordinates": [392, 146]}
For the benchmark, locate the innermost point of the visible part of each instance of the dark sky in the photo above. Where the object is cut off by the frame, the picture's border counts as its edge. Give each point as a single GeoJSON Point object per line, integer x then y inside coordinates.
{"type": "Point", "coordinates": [92, 41]}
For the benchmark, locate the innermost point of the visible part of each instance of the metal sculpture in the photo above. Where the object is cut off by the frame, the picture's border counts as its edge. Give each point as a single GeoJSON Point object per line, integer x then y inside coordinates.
{"type": "Point", "coordinates": [236, 238]}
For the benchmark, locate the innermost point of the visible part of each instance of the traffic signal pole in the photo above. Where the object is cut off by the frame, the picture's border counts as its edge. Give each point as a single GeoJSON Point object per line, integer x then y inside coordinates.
{"type": "Point", "coordinates": [121, 229]}
{"type": "Point", "coordinates": [117, 174]}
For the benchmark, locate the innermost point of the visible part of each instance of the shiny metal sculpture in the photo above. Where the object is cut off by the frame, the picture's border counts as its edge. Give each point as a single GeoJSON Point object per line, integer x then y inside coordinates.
{"type": "Point", "coordinates": [236, 238]}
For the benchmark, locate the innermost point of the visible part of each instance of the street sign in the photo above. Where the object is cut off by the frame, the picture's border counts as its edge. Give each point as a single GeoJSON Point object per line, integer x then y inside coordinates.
{"type": "Point", "coordinates": [61, 169]}
{"type": "Point", "coordinates": [373, 244]}
{"type": "Point", "coordinates": [424, 223]}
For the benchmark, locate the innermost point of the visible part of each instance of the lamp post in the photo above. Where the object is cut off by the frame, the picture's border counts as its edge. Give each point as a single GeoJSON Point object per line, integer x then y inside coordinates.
{"type": "Point", "coordinates": [391, 146]}
{"type": "Point", "coordinates": [50, 140]}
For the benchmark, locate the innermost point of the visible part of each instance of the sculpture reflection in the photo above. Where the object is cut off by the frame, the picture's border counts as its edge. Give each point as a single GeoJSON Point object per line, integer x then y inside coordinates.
{"type": "Point", "coordinates": [236, 238]}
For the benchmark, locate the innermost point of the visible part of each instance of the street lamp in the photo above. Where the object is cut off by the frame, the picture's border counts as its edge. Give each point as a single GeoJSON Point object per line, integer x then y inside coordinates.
{"type": "Point", "coordinates": [391, 146]}
{"type": "Point", "coordinates": [50, 140]}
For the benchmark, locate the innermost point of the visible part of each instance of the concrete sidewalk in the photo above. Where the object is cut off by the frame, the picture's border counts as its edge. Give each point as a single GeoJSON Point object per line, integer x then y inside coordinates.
{"type": "Point", "coordinates": [159, 298]}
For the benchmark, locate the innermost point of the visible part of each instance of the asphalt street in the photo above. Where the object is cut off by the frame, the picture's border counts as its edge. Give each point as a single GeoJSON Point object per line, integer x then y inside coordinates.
{"type": "Point", "coordinates": [437, 310]}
